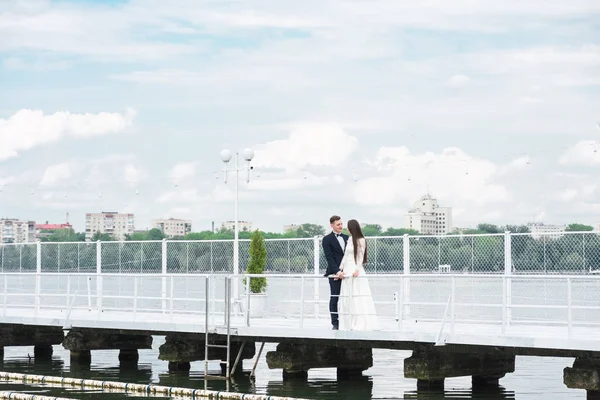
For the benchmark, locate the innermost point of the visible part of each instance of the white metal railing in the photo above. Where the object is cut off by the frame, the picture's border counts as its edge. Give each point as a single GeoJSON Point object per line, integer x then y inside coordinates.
{"type": "Point", "coordinates": [546, 254]}
{"type": "Point", "coordinates": [561, 307]}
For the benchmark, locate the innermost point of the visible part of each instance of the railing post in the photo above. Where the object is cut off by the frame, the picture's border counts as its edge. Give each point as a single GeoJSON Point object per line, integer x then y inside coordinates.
{"type": "Point", "coordinates": [569, 308]}
{"type": "Point", "coordinates": [316, 270]}
{"type": "Point", "coordinates": [301, 302]}
{"type": "Point", "coordinates": [508, 273]}
{"type": "Point", "coordinates": [453, 305]}
{"type": "Point", "coordinates": [135, 296]}
{"type": "Point", "coordinates": [164, 275]}
{"type": "Point", "coordinates": [99, 275]}
{"type": "Point", "coordinates": [38, 276]}
{"type": "Point", "coordinates": [247, 301]}
{"type": "Point", "coordinates": [406, 270]}
{"type": "Point", "coordinates": [38, 256]}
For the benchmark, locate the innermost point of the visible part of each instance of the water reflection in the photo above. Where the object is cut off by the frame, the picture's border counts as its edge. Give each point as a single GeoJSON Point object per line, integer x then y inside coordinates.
{"type": "Point", "coordinates": [483, 392]}
{"type": "Point", "coordinates": [39, 366]}
{"type": "Point", "coordinates": [534, 378]}
{"type": "Point", "coordinates": [360, 387]}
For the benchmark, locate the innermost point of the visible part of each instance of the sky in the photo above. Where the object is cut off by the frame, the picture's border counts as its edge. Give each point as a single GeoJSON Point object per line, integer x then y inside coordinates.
{"type": "Point", "coordinates": [352, 107]}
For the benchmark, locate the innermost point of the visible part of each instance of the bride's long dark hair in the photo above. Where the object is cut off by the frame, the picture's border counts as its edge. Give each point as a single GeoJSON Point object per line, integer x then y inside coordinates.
{"type": "Point", "coordinates": [356, 232]}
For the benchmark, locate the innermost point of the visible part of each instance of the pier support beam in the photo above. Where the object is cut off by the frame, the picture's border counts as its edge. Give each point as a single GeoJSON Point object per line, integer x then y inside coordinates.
{"type": "Point", "coordinates": [432, 365]}
{"type": "Point", "coordinates": [180, 349]}
{"type": "Point", "coordinates": [43, 351]}
{"type": "Point", "coordinates": [80, 342]}
{"type": "Point", "coordinates": [296, 359]}
{"type": "Point", "coordinates": [41, 337]}
{"type": "Point", "coordinates": [584, 374]}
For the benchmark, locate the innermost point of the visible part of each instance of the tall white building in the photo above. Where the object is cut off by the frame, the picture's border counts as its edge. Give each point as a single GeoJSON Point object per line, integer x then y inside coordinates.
{"type": "Point", "coordinates": [17, 231]}
{"type": "Point", "coordinates": [428, 218]}
{"type": "Point", "coordinates": [539, 229]}
{"type": "Point", "coordinates": [115, 224]}
{"type": "Point", "coordinates": [245, 226]}
{"type": "Point", "coordinates": [173, 227]}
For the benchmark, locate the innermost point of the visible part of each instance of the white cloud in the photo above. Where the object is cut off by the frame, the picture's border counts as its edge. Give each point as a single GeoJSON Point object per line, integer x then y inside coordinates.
{"type": "Point", "coordinates": [568, 195]}
{"type": "Point", "coordinates": [6, 180]}
{"type": "Point", "coordinates": [516, 165]}
{"type": "Point", "coordinates": [57, 174]}
{"type": "Point", "coordinates": [317, 144]}
{"type": "Point", "coordinates": [451, 175]}
{"type": "Point", "coordinates": [132, 174]}
{"type": "Point", "coordinates": [185, 196]}
{"type": "Point", "coordinates": [585, 152]}
{"type": "Point", "coordinates": [458, 80]}
{"type": "Point", "coordinates": [16, 63]}
{"type": "Point", "coordinates": [295, 181]}
{"type": "Point", "coordinates": [30, 128]}
{"type": "Point", "coordinates": [183, 172]}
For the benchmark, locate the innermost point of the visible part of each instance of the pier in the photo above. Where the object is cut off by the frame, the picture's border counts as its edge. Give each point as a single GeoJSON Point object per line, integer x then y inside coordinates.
{"type": "Point", "coordinates": [456, 323]}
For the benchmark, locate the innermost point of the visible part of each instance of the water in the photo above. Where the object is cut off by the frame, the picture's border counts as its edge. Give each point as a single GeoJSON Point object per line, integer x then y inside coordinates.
{"type": "Point", "coordinates": [534, 378]}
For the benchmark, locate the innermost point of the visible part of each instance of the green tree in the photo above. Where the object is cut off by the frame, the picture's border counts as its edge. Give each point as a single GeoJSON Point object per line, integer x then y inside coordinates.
{"type": "Point", "coordinates": [399, 232]}
{"type": "Point", "coordinates": [488, 228]}
{"type": "Point", "coordinates": [257, 263]}
{"type": "Point", "coordinates": [309, 230]}
{"type": "Point", "coordinates": [63, 235]}
{"type": "Point", "coordinates": [579, 228]}
{"type": "Point", "coordinates": [136, 236]}
{"type": "Point", "coordinates": [156, 234]}
{"type": "Point", "coordinates": [372, 230]}
{"type": "Point", "coordinates": [103, 237]}
{"type": "Point", "coordinates": [516, 229]}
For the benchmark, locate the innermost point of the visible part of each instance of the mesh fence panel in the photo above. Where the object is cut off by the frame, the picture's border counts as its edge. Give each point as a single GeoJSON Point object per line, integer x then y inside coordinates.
{"type": "Point", "coordinates": [385, 255]}
{"type": "Point", "coordinates": [572, 253]}
{"type": "Point", "coordinates": [18, 257]}
{"type": "Point", "coordinates": [290, 256]}
{"type": "Point", "coordinates": [132, 257]}
{"type": "Point", "coordinates": [200, 256]}
{"type": "Point", "coordinates": [466, 254]}
{"type": "Point", "coordinates": [68, 257]}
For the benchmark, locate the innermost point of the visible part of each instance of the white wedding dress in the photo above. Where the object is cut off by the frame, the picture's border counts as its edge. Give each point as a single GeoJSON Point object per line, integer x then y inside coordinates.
{"type": "Point", "coordinates": [356, 308]}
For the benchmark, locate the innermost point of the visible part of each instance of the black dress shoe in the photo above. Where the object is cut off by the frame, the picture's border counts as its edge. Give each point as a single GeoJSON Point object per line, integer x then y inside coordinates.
{"type": "Point", "coordinates": [335, 328]}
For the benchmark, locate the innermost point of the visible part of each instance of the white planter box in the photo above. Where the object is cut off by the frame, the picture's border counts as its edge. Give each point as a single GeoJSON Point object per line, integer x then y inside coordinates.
{"type": "Point", "coordinates": [258, 304]}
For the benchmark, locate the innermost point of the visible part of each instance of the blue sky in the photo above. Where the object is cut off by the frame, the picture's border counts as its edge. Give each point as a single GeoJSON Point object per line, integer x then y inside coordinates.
{"type": "Point", "coordinates": [492, 105]}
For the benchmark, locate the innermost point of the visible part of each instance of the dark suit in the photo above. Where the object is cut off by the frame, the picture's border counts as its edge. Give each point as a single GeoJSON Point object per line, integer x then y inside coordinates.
{"type": "Point", "coordinates": [334, 254]}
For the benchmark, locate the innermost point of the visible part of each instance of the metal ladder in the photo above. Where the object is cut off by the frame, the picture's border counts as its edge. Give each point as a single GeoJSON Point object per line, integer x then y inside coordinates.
{"type": "Point", "coordinates": [227, 323]}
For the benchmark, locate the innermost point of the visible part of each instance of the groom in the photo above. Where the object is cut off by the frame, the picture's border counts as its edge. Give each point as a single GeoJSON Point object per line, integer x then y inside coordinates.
{"type": "Point", "coordinates": [334, 245]}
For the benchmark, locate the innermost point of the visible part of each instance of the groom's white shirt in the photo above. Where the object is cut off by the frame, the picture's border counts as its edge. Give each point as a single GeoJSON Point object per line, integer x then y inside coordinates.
{"type": "Point", "coordinates": [340, 240]}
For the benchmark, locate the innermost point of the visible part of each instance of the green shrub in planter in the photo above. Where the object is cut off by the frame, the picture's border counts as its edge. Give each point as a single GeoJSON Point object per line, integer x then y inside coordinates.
{"type": "Point", "coordinates": [257, 263]}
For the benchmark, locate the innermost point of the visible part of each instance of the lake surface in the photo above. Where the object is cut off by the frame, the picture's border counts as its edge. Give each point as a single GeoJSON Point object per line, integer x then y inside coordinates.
{"type": "Point", "coordinates": [534, 378]}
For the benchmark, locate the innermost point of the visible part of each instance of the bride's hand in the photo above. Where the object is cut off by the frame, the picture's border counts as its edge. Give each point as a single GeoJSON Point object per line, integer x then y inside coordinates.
{"type": "Point", "coordinates": [355, 274]}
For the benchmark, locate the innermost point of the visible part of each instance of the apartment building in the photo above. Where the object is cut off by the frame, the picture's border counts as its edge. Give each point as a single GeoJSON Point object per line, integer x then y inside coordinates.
{"type": "Point", "coordinates": [115, 224]}
{"type": "Point", "coordinates": [173, 227]}
{"type": "Point", "coordinates": [245, 226]}
{"type": "Point", "coordinates": [16, 231]}
{"type": "Point", "coordinates": [539, 229]}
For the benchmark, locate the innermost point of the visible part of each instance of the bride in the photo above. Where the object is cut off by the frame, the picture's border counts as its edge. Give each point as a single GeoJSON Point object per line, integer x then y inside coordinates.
{"type": "Point", "coordinates": [356, 306]}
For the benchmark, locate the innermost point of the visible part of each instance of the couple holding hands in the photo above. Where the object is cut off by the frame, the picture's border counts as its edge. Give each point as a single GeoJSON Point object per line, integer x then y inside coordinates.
{"type": "Point", "coordinates": [351, 304]}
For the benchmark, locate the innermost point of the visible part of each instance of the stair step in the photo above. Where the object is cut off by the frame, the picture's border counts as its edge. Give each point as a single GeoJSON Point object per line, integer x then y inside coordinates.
{"type": "Point", "coordinates": [220, 346]}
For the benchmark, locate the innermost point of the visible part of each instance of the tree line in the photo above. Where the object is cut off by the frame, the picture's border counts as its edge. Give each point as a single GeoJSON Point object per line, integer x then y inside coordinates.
{"type": "Point", "coordinates": [306, 230]}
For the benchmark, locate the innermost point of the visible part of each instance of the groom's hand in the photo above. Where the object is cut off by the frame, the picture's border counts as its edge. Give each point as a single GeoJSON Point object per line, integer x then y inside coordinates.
{"type": "Point", "coordinates": [340, 275]}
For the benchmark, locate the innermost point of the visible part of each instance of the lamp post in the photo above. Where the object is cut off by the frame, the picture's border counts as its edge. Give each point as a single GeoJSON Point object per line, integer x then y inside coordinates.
{"type": "Point", "coordinates": [226, 156]}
